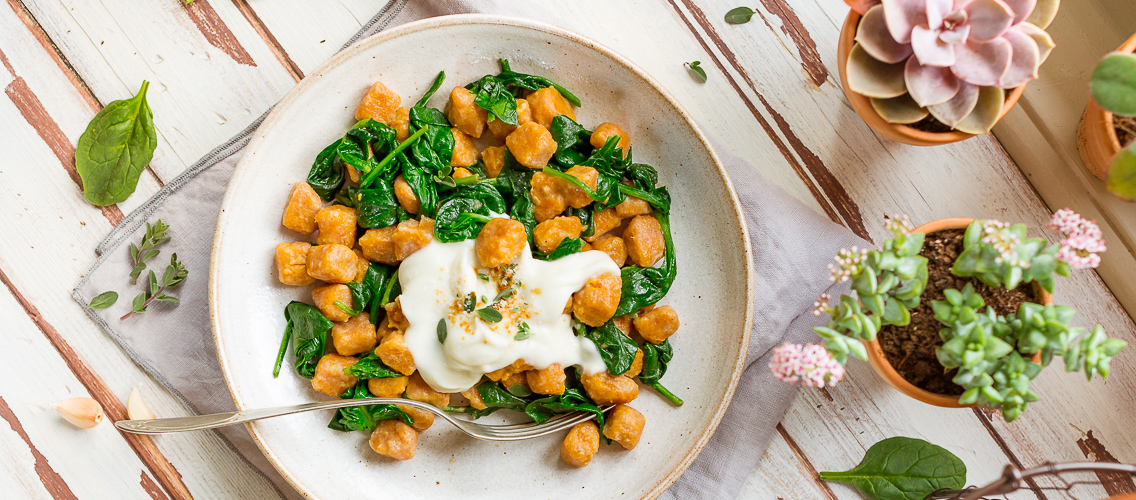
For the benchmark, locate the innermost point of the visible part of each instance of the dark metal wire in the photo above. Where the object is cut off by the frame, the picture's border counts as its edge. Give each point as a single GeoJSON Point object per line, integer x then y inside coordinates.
{"type": "Point", "coordinates": [1012, 478]}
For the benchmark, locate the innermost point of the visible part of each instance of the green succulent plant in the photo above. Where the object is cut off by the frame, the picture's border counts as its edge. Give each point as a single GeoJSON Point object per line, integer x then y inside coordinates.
{"type": "Point", "coordinates": [1114, 88]}
{"type": "Point", "coordinates": [1000, 255]}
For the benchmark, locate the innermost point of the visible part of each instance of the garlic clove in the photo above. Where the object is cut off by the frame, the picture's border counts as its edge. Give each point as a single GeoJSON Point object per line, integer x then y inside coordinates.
{"type": "Point", "coordinates": [83, 413]}
{"type": "Point", "coordinates": [136, 409]}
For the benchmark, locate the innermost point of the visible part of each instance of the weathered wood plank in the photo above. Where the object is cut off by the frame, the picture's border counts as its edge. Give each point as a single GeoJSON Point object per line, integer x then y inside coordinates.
{"type": "Point", "coordinates": [200, 94]}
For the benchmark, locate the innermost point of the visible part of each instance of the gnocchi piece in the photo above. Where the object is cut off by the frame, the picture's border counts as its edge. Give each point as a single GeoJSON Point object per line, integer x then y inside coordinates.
{"type": "Point", "coordinates": [548, 380]}
{"type": "Point", "coordinates": [546, 104]}
{"type": "Point", "coordinates": [658, 324]}
{"type": "Point", "coordinates": [395, 319]}
{"type": "Point", "coordinates": [332, 263]}
{"type": "Point", "coordinates": [550, 233]}
{"type": "Point", "coordinates": [325, 297]}
{"type": "Point", "coordinates": [494, 159]}
{"type": "Point", "coordinates": [418, 390]}
{"type": "Point", "coordinates": [606, 130]}
{"type": "Point", "coordinates": [394, 353]}
{"type": "Point", "coordinates": [292, 263]}
{"type": "Point", "coordinates": [301, 209]}
{"type": "Point", "coordinates": [423, 419]}
{"type": "Point", "coordinates": [636, 365]}
{"type": "Point", "coordinates": [624, 425]}
{"type": "Point", "coordinates": [474, 398]}
{"type": "Point", "coordinates": [502, 129]}
{"type": "Point", "coordinates": [388, 387]}
{"type": "Point", "coordinates": [405, 195]}
{"type": "Point", "coordinates": [549, 200]}
{"type": "Point", "coordinates": [500, 241]}
{"type": "Point", "coordinates": [465, 114]}
{"type": "Point", "coordinates": [337, 224]}
{"type": "Point", "coordinates": [330, 378]}
{"type": "Point", "coordinates": [378, 245]}
{"type": "Point", "coordinates": [400, 124]}
{"type": "Point", "coordinates": [394, 439]}
{"type": "Point", "coordinates": [607, 389]}
{"type": "Point", "coordinates": [581, 444]}
{"type": "Point", "coordinates": [644, 240]}
{"type": "Point", "coordinates": [575, 196]}
{"type": "Point", "coordinates": [411, 236]}
{"type": "Point", "coordinates": [354, 336]}
{"type": "Point", "coordinates": [532, 145]}
{"type": "Point", "coordinates": [613, 246]}
{"type": "Point", "coordinates": [379, 104]}
{"type": "Point", "coordinates": [605, 220]}
{"type": "Point", "coordinates": [465, 151]}
{"type": "Point", "coordinates": [632, 206]}
{"type": "Point", "coordinates": [361, 265]}
{"type": "Point", "coordinates": [514, 379]}
{"type": "Point", "coordinates": [596, 302]}
{"type": "Point", "coordinates": [461, 173]}
{"type": "Point", "coordinates": [499, 374]}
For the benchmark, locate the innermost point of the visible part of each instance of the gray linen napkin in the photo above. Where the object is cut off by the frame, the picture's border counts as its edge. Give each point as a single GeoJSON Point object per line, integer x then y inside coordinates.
{"type": "Point", "coordinates": [791, 245]}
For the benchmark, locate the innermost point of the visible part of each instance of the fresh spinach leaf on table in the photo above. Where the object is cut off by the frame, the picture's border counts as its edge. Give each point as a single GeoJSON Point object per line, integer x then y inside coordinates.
{"type": "Point", "coordinates": [364, 418]}
{"type": "Point", "coordinates": [115, 148]}
{"type": "Point", "coordinates": [306, 329]}
{"type": "Point", "coordinates": [903, 468]}
{"type": "Point", "coordinates": [370, 366]}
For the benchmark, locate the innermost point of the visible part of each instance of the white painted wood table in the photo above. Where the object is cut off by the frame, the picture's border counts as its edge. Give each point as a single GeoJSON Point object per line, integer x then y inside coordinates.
{"type": "Point", "coordinates": [772, 97]}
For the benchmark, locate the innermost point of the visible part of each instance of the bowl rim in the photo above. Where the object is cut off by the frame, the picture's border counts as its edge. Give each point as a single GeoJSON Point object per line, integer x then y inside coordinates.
{"type": "Point", "coordinates": [464, 19]}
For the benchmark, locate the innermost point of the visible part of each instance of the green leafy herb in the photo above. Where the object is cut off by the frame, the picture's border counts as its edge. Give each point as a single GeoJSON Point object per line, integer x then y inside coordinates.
{"type": "Point", "coordinates": [902, 468]}
{"type": "Point", "coordinates": [370, 366]}
{"type": "Point", "coordinates": [489, 315]}
{"type": "Point", "coordinates": [523, 332]}
{"type": "Point", "coordinates": [482, 277]}
{"type": "Point", "coordinates": [505, 294]}
{"type": "Point", "coordinates": [364, 418]}
{"type": "Point", "coordinates": [103, 300]}
{"type": "Point", "coordinates": [469, 302]}
{"type": "Point", "coordinates": [139, 254]}
{"type": "Point", "coordinates": [655, 359]}
{"type": "Point", "coordinates": [174, 275]}
{"type": "Point", "coordinates": [443, 331]}
{"type": "Point", "coordinates": [739, 15]}
{"type": "Point", "coordinates": [307, 329]}
{"type": "Point", "coordinates": [696, 71]}
{"type": "Point", "coordinates": [116, 147]}
{"type": "Point", "coordinates": [346, 308]}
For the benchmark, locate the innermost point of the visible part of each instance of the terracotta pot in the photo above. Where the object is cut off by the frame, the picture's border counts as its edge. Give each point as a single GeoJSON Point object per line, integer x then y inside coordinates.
{"type": "Point", "coordinates": [895, 132]}
{"type": "Point", "coordinates": [1096, 137]}
{"type": "Point", "coordinates": [880, 362]}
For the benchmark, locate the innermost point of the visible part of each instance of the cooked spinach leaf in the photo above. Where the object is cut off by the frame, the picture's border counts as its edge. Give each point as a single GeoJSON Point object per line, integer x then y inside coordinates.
{"type": "Point", "coordinates": [115, 148]}
{"type": "Point", "coordinates": [436, 149]}
{"type": "Point", "coordinates": [378, 279]}
{"type": "Point", "coordinates": [572, 141]}
{"type": "Point", "coordinates": [616, 349]}
{"type": "Point", "coordinates": [462, 215]}
{"type": "Point", "coordinates": [644, 176]}
{"type": "Point", "coordinates": [422, 184]}
{"type": "Point", "coordinates": [567, 246]}
{"type": "Point", "coordinates": [433, 88]}
{"type": "Point", "coordinates": [327, 175]}
{"type": "Point", "coordinates": [643, 286]}
{"type": "Point", "coordinates": [516, 81]}
{"type": "Point", "coordinates": [364, 418]}
{"type": "Point", "coordinates": [378, 207]}
{"type": "Point", "coordinates": [491, 95]}
{"type": "Point", "coordinates": [655, 359]}
{"type": "Point", "coordinates": [370, 366]}
{"type": "Point", "coordinates": [307, 328]}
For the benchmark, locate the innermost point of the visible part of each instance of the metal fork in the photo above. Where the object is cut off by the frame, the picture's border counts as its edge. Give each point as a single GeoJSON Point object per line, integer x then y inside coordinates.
{"type": "Point", "coordinates": [514, 432]}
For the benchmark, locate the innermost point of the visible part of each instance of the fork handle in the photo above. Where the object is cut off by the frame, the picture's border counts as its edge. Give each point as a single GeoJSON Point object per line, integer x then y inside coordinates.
{"type": "Point", "coordinates": [214, 420]}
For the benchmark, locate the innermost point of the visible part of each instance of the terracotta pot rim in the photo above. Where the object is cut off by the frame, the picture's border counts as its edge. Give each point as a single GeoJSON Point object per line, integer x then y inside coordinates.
{"type": "Point", "coordinates": [901, 133]}
{"type": "Point", "coordinates": [886, 371]}
{"type": "Point", "coordinates": [1129, 46]}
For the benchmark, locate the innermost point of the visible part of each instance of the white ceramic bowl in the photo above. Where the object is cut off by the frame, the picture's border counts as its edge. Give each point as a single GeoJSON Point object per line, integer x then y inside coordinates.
{"type": "Point", "coordinates": [712, 293]}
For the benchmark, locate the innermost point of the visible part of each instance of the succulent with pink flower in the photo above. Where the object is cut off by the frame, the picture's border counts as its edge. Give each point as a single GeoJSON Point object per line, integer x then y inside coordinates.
{"type": "Point", "coordinates": [810, 364]}
{"type": "Point", "coordinates": [952, 59]}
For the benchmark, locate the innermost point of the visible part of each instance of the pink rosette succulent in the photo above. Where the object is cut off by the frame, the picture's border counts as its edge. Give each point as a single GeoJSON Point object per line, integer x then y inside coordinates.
{"type": "Point", "coordinates": [952, 59]}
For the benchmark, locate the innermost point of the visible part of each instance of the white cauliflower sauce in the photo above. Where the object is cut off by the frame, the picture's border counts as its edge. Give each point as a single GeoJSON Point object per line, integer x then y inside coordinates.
{"type": "Point", "coordinates": [436, 284]}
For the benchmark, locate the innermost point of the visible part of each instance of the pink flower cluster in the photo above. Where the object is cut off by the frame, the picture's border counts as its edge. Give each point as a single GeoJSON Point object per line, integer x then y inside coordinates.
{"type": "Point", "coordinates": [810, 364]}
{"type": "Point", "coordinates": [1083, 239]}
{"type": "Point", "coordinates": [821, 304]}
{"type": "Point", "coordinates": [998, 235]}
{"type": "Point", "coordinates": [847, 263]}
{"type": "Point", "coordinates": [899, 224]}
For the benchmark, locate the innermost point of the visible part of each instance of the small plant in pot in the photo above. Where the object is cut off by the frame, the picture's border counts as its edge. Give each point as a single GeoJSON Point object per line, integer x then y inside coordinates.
{"type": "Point", "coordinates": [929, 72]}
{"type": "Point", "coordinates": [958, 312]}
{"type": "Point", "coordinates": [1107, 133]}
